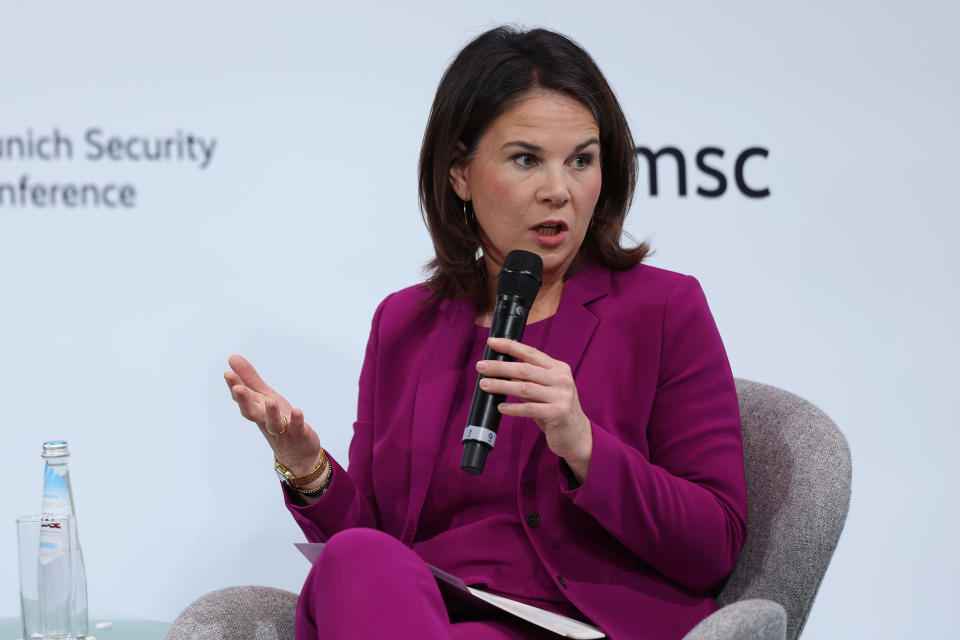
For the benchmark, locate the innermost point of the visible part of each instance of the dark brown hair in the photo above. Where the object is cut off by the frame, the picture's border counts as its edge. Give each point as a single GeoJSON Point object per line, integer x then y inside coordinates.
{"type": "Point", "coordinates": [490, 74]}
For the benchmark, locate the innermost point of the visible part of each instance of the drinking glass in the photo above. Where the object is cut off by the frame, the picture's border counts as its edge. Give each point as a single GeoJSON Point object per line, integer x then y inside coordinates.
{"type": "Point", "coordinates": [46, 576]}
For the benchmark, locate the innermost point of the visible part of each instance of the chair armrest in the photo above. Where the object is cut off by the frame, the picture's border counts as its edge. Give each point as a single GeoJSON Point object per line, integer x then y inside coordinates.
{"type": "Point", "coordinates": [237, 613]}
{"type": "Point", "coordinates": [743, 620]}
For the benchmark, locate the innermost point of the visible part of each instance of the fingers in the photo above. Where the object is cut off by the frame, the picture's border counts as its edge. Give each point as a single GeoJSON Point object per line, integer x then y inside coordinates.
{"type": "Point", "coordinates": [232, 379]}
{"type": "Point", "coordinates": [544, 385]}
{"type": "Point", "coordinates": [297, 424]}
{"type": "Point", "coordinates": [515, 371]}
{"type": "Point", "coordinates": [524, 410]}
{"type": "Point", "coordinates": [247, 400]}
{"type": "Point", "coordinates": [293, 440]}
{"type": "Point", "coordinates": [248, 375]}
{"type": "Point", "coordinates": [250, 392]}
{"type": "Point", "coordinates": [539, 379]}
{"type": "Point", "coordinates": [533, 366]}
{"type": "Point", "coordinates": [275, 424]}
{"type": "Point", "coordinates": [555, 412]}
{"type": "Point", "coordinates": [520, 351]}
{"type": "Point", "coordinates": [521, 389]}
{"type": "Point", "coordinates": [250, 403]}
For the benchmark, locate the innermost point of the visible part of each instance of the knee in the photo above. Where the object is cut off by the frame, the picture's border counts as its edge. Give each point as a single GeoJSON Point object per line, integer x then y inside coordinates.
{"type": "Point", "coordinates": [367, 584]}
{"type": "Point", "coordinates": [361, 545]}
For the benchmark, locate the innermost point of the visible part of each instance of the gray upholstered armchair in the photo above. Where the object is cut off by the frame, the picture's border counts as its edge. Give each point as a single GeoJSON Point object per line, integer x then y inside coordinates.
{"type": "Point", "coordinates": [798, 490]}
{"type": "Point", "coordinates": [798, 483]}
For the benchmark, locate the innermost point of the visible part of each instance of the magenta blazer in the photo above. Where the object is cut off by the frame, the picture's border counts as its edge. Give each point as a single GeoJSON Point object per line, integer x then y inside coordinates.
{"type": "Point", "coordinates": [661, 516]}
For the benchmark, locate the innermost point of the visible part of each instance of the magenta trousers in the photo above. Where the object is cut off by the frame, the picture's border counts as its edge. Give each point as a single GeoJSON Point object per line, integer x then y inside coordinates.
{"type": "Point", "coordinates": [367, 584]}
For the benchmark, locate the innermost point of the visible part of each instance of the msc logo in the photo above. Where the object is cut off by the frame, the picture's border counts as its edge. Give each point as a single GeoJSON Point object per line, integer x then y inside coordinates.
{"type": "Point", "coordinates": [720, 180]}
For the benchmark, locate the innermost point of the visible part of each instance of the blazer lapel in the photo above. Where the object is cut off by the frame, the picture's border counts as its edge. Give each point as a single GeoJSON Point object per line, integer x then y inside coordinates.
{"type": "Point", "coordinates": [436, 388]}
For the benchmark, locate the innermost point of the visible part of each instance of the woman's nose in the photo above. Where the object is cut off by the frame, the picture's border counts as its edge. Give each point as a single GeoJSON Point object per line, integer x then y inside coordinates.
{"type": "Point", "coordinates": [553, 191]}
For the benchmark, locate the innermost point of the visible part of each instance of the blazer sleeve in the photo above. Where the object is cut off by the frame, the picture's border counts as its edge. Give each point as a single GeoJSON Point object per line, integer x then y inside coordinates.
{"type": "Point", "coordinates": [683, 509]}
{"type": "Point", "coordinates": [349, 500]}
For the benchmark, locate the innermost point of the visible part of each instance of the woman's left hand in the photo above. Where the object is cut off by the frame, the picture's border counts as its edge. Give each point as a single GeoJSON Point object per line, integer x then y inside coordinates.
{"type": "Point", "coordinates": [549, 397]}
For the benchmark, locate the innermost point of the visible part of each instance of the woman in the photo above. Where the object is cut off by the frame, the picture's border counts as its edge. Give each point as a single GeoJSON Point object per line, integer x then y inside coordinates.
{"type": "Point", "coordinates": [615, 493]}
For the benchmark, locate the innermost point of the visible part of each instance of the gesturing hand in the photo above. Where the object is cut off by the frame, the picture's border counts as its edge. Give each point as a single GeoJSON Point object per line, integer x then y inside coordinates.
{"type": "Point", "coordinates": [294, 442]}
{"type": "Point", "coordinates": [549, 397]}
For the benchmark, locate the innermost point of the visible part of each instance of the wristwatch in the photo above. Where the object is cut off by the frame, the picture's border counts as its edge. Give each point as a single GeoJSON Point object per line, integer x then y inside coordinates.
{"type": "Point", "coordinates": [295, 481]}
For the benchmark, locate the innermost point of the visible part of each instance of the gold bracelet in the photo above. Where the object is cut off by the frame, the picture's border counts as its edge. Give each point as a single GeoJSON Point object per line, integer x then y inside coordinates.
{"type": "Point", "coordinates": [316, 492]}
{"type": "Point", "coordinates": [295, 481]}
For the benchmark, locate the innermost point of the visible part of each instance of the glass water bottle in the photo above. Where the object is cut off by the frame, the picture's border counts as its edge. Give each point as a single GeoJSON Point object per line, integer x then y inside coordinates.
{"type": "Point", "coordinates": [58, 500]}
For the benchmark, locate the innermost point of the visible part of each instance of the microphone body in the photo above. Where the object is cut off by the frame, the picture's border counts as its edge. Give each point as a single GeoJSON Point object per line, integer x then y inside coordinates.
{"type": "Point", "coordinates": [517, 287]}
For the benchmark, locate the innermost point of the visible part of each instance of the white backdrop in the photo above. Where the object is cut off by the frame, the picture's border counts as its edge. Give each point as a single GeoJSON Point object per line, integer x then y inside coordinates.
{"type": "Point", "coordinates": [115, 324]}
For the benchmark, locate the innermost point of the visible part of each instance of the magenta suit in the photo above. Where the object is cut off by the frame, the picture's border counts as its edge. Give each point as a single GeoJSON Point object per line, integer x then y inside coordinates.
{"type": "Point", "coordinates": [661, 514]}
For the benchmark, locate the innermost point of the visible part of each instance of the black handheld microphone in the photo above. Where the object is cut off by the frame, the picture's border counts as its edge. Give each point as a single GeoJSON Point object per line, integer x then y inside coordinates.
{"type": "Point", "coordinates": [517, 287]}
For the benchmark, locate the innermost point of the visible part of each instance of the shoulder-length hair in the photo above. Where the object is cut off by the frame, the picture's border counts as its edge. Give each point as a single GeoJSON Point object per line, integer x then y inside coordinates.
{"type": "Point", "coordinates": [489, 75]}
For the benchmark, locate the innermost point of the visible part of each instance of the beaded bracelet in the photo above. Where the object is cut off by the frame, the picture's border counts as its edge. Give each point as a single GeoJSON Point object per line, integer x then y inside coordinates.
{"type": "Point", "coordinates": [316, 492]}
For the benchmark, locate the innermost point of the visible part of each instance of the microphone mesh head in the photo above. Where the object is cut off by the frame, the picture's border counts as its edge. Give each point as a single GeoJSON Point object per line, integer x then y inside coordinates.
{"type": "Point", "coordinates": [521, 275]}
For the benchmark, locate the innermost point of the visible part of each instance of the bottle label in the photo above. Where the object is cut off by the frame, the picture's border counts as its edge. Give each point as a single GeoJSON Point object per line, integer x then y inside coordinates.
{"type": "Point", "coordinates": [54, 541]}
{"type": "Point", "coordinates": [56, 496]}
{"type": "Point", "coordinates": [56, 502]}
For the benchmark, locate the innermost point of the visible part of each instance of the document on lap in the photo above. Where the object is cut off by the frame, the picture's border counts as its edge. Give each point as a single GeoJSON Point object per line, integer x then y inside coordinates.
{"type": "Point", "coordinates": [451, 585]}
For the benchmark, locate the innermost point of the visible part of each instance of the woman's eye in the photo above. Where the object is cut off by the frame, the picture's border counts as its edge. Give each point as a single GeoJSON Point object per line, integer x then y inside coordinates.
{"type": "Point", "coordinates": [582, 161]}
{"type": "Point", "coordinates": [525, 160]}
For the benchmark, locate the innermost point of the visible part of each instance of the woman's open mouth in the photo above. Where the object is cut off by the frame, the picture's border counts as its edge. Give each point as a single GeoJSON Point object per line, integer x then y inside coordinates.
{"type": "Point", "coordinates": [550, 234]}
{"type": "Point", "coordinates": [548, 229]}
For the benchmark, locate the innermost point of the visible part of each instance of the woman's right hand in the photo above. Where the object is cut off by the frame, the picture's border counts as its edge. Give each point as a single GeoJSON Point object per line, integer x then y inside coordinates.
{"type": "Point", "coordinates": [298, 446]}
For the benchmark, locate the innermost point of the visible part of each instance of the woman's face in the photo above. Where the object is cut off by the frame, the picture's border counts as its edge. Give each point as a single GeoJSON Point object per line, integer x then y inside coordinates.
{"type": "Point", "coordinates": [534, 180]}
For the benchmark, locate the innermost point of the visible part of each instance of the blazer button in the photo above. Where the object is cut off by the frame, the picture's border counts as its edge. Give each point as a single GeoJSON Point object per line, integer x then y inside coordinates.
{"type": "Point", "coordinates": [533, 519]}
{"type": "Point", "coordinates": [563, 583]}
